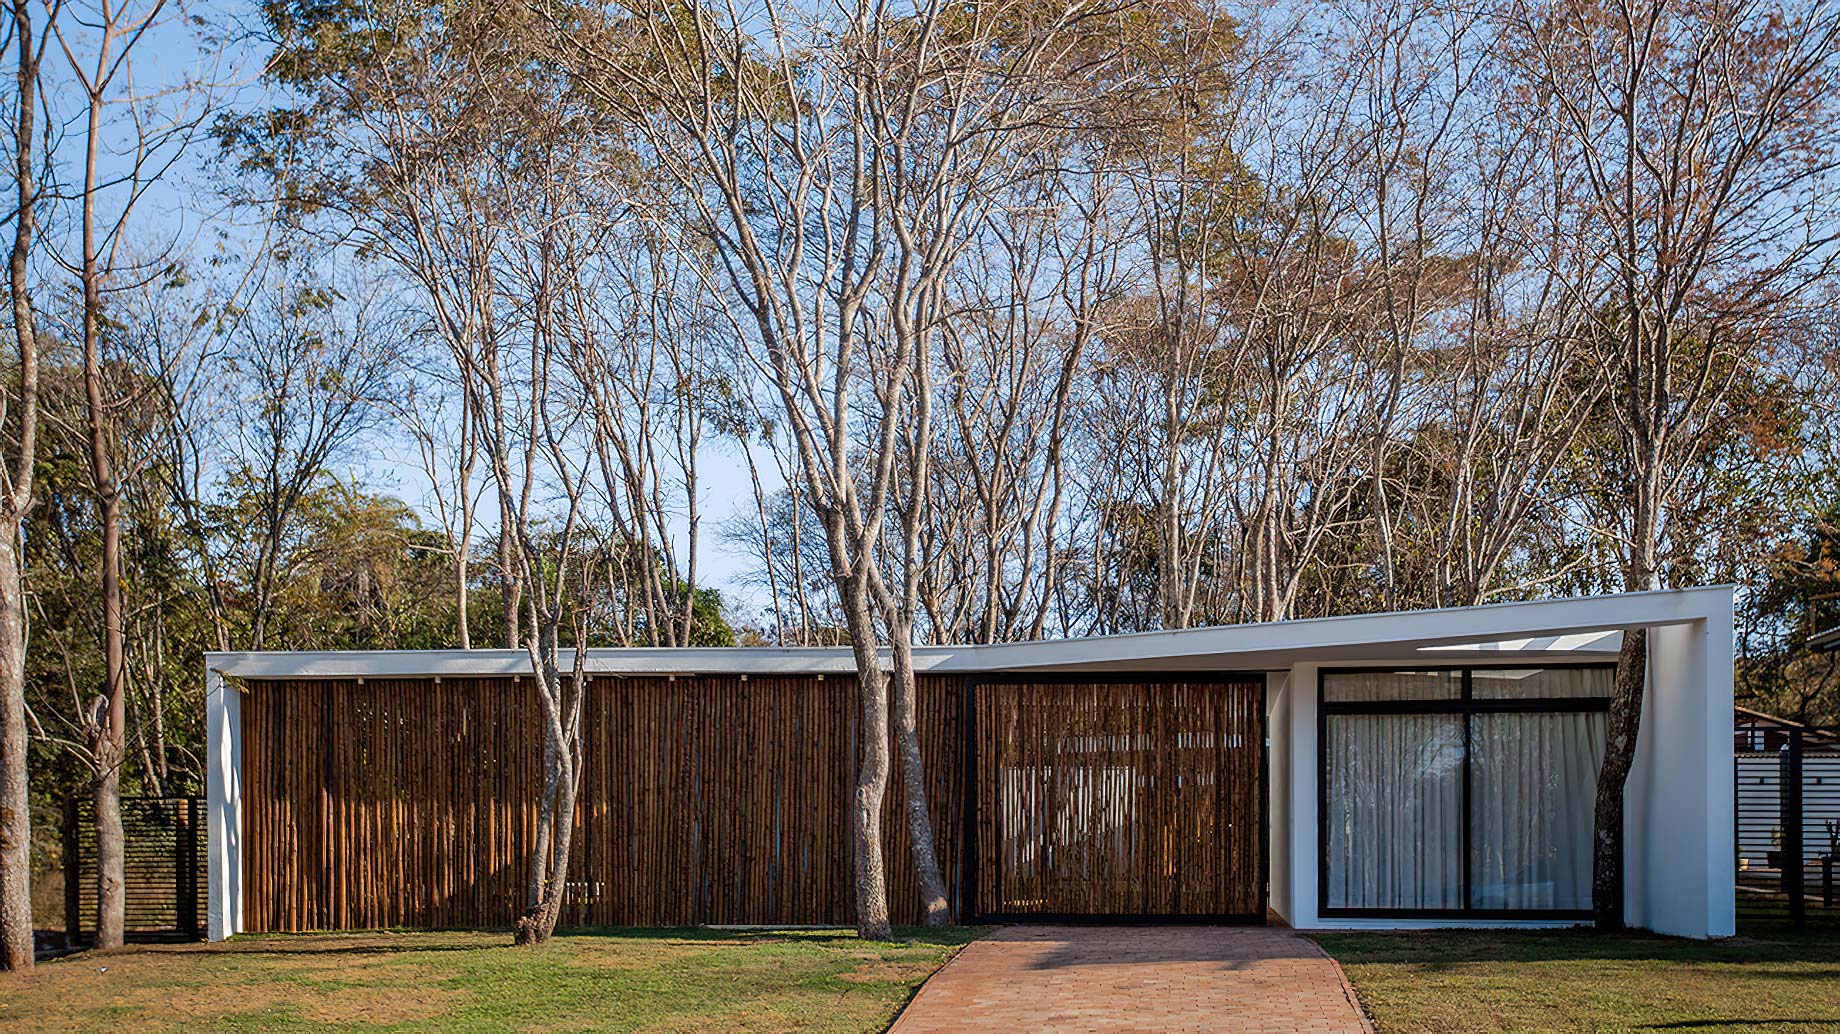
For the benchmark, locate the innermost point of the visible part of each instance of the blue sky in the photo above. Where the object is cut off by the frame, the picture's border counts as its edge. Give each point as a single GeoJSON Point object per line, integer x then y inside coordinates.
{"type": "Point", "coordinates": [216, 42]}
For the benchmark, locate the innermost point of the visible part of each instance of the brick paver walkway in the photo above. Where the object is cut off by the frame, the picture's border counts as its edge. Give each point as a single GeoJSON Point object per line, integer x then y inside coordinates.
{"type": "Point", "coordinates": [1148, 978]}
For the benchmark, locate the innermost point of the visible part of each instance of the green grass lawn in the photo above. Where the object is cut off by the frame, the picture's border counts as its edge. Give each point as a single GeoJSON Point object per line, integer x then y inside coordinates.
{"type": "Point", "coordinates": [652, 980]}
{"type": "Point", "coordinates": [1767, 979]}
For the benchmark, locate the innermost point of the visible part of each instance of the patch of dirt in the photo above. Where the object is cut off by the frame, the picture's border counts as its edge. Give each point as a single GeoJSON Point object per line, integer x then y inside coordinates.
{"type": "Point", "coordinates": [375, 942]}
{"type": "Point", "coordinates": [208, 1002]}
{"type": "Point", "coordinates": [753, 1020]}
{"type": "Point", "coordinates": [380, 1006]}
{"type": "Point", "coordinates": [371, 970]}
{"type": "Point", "coordinates": [150, 984]}
{"type": "Point", "coordinates": [888, 972]}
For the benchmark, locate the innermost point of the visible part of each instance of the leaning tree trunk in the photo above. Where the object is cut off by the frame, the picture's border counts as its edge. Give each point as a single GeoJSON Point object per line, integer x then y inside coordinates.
{"type": "Point", "coordinates": [1619, 754]}
{"type": "Point", "coordinates": [872, 763]}
{"type": "Point", "coordinates": [935, 909]}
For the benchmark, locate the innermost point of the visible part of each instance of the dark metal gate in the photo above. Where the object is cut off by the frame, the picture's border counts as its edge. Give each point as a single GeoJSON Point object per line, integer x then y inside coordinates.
{"type": "Point", "coordinates": [1137, 798]}
{"type": "Point", "coordinates": [164, 868]}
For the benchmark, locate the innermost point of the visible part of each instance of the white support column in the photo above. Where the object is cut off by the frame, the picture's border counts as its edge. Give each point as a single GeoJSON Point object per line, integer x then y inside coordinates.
{"type": "Point", "coordinates": [1679, 855]}
{"type": "Point", "coordinates": [1304, 849]}
{"type": "Point", "coordinates": [223, 711]}
{"type": "Point", "coordinates": [1278, 791]}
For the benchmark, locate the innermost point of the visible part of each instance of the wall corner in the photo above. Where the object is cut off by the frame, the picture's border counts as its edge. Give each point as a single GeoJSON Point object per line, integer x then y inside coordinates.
{"type": "Point", "coordinates": [223, 804]}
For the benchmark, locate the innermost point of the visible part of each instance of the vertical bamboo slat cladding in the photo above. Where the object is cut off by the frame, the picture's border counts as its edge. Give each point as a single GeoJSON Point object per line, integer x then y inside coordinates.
{"type": "Point", "coordinates": [1119, 798]}
{"type": "Point", "coordinates": [723, 799]}
{"type": "Point", "coordinates": [412, 802]}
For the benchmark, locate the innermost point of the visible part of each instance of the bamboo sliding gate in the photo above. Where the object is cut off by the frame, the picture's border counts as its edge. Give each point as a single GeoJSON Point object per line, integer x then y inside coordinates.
{"type": "Point", "coordinates": [724, 799]}
{"type": "Point", "coordinates": [1139, 799]}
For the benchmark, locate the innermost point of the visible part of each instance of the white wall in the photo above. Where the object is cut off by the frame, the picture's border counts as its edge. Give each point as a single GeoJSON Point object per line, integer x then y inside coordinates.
{"type": "Point", "coordinates": [223, 722]}
{"type": "Point", "coordinates": [1679, 849]}
{"type": "Point", "coordinates": [1278, 790]}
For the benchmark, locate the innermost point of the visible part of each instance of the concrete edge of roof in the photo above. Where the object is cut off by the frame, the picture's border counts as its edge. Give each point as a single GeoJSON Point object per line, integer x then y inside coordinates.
{"type": "Point", "coordinates": [1445, 628]}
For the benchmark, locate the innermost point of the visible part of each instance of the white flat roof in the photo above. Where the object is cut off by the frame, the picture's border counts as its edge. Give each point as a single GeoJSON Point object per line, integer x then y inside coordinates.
{"type": "Point", "coordinates": [1577, 628]}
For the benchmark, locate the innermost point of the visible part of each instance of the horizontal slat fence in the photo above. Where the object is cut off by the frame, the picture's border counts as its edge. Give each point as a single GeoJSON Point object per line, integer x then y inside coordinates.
{"type": "Point", "coordinates": [1760, 833]}
{"type": "Point", "coordinates": [1113, 799]}
{"type": "Point", "coordinates": [412, 802]}
{"type": "Point", "coordinates": [163, 868]}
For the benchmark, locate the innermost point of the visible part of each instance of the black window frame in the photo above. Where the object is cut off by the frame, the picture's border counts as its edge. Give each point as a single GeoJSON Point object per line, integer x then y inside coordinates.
{"type": "Point", "coordinates": [1464, 706]}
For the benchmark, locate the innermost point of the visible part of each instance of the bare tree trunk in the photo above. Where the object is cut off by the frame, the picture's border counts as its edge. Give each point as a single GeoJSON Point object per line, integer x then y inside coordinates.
{"type": "Point", "coordinates": [766, 547]}
{"type": "Point", "coordinates": [556, 838]}
{"type": "Point", "coordinates": [936, 910]}
{"type": "Point", "coordinates": [460, 602]}
{"type": "Point", "coordinates": [562, 710]}
{"type": "Point", "coordinates": [1619, 755]}
{"type": "Point", "coordinates": [110, 719]}
{"type": "Point", "coordinates": [463, 544]}
{"type": "Point", "coordinates": [866, 867]}
{"type": "Point", "coordinates": [509, 583]}
{"type": "Point", "coordinates": [536, 886]}
{"type": "Point", "coordinates": [15, 804]}
{"type": "Point", "coordinates": [111, 893]}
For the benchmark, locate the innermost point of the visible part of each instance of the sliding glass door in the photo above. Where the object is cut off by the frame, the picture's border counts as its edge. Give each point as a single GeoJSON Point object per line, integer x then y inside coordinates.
{"type": "Point", "coordinates": [1395, 811]}
{"type": "Point", "coordinates": [1460, 791]}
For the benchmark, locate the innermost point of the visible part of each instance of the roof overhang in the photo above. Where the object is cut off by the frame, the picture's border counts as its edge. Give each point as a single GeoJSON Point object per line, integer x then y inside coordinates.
{"type": "Point", "coordinates": [1574, 629]}
{"type": "Point", "coordinates": [1825, 642]}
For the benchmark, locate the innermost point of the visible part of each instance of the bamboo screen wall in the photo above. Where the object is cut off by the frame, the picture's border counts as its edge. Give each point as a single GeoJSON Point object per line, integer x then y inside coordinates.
{"type": "Point", "coordinates": [705, 800]}
{"type": "Point", "coordinates": [1120, 799]}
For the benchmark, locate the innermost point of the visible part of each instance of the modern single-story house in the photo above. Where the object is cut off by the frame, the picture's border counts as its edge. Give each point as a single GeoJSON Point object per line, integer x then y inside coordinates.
{"type": "Point", "coordinates": [1404, 770]}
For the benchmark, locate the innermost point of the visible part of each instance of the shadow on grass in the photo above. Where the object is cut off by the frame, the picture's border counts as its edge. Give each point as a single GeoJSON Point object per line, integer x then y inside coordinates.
{"type": "Point", "coordinates": [948, 936]}
{"type": "Point", "coordinates": [380, 942]}
{"type": "Point", "coordinates": [1225, 948]}
{"type": "Point", "coordinates": [1741, 1022]}
{"type": "Point", "coordinates": [265, 946]}
{"type": "Point", "coordinates": [1439, 950]}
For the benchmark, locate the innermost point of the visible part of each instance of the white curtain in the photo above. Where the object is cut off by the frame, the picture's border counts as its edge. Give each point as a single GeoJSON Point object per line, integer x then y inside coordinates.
{"type": "Point", "coordinates": [1395, 811]}
{"type": "Point", "coordinates": [1396, 799]}
{"type": "Point", "coordinates": [1533, 779]}
{"type": "Point", "coordinates": [1542, 683]}
{"type": "Point", "coordinates": [1368, 686]}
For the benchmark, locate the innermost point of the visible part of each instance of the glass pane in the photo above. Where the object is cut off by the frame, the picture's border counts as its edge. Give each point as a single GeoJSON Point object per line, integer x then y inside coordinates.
{"type": "Point", "coordinates": [1536, 683]}
{"type": "Point", "coordinates": [1395, 811]}
{"type": "Point", "coordinates": [1533, 784]}
{"type": "Point", "coordinates": [1346, 687]}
